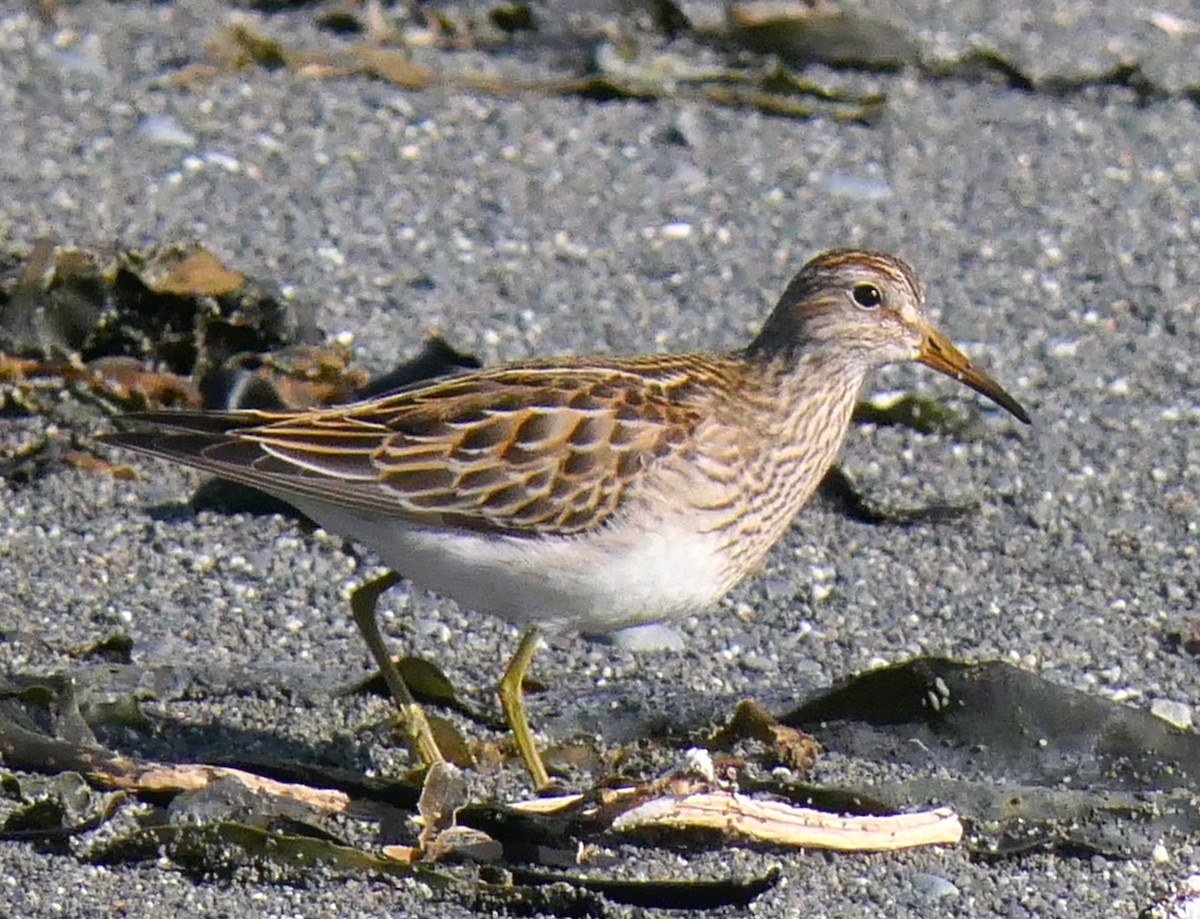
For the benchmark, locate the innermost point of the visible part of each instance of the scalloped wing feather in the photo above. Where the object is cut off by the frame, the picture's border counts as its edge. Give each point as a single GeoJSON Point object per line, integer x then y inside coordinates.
{"type": "Point", "coordinates": [528, 450]}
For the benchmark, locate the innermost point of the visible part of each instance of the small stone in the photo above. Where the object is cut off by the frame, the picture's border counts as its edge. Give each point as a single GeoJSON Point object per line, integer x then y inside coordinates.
{"type": "Point", "coordinates": [677, 230]}
{"type": "Point", "coordinates": [858, 187]}
{"type": "Point", "coordinates": [933, 887]}
{"type": "Point", "coordinates": [656, 636]}
{"type": "Point", "coordinates": [1176, 714]}
{"type": "Point", "coordinates": [165, 131]}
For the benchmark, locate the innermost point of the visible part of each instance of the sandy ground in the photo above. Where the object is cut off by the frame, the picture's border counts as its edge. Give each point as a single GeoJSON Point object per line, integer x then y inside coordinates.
{"type": "Point", "coordinates": [1059, 237]}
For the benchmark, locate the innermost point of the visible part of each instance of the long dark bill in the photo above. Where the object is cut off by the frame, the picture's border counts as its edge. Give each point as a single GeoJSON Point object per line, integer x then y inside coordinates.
{"type": "Point", "coordinates": [937, 352]}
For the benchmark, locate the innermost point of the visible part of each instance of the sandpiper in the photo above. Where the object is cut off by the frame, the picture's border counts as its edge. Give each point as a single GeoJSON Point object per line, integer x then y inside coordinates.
{"type": "Point", "coordinates": [585, 493]}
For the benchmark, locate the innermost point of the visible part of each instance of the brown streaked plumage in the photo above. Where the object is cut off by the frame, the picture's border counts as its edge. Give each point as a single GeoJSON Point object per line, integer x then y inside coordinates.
{"type": "Point", "coordinates": [593, 493]}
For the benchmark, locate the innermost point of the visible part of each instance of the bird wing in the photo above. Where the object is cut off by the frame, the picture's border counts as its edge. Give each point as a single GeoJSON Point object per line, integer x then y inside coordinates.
{"type": "Point", "coordinates": [526, 450]}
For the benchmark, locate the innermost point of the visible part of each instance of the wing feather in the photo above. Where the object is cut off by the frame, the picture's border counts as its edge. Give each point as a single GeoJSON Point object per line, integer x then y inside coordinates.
{"type": "Point", "coordinates": [529, 449]}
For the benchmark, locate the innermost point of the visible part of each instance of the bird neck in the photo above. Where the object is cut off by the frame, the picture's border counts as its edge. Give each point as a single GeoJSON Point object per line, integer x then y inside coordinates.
{"type": "Point", "coordinates": [810, 401]}
{"type": "Point", "coordinates": [814, 391]}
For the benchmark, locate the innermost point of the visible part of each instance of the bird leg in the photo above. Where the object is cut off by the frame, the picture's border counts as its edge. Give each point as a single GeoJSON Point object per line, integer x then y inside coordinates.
{"type": "Point", "coordinates": [512, 701]}
{"type": "Point", "coordinates": [416, 727]}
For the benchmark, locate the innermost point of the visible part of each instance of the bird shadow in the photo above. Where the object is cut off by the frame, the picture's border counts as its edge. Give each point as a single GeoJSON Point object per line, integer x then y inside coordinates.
{"type": "Point", "coordinates": [839, 490]}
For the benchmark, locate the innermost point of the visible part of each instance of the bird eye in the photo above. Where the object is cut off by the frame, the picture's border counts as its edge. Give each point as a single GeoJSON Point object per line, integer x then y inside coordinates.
{"type": "Point", "coordinates": [867, 296]}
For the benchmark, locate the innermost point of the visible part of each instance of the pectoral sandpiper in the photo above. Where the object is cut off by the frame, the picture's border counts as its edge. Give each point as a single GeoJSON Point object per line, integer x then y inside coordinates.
{"type": "Point", "coordinates": [586, 493]}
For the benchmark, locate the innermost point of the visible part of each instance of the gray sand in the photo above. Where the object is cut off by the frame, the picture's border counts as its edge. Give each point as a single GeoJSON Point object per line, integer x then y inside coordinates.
{"type": "Point", "coordinates": [1059, 238]}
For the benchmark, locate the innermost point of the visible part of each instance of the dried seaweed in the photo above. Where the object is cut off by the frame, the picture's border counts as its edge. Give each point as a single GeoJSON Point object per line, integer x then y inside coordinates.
{"type": "Point", "coordinates": [653, 54]}
{"type": "Point", "coordinates": [982, 62]}
{"type": "Point", "coordinates": [1041, 765]}
{"type": "Point", "coordinates": [121, 330]}
{"type": "Point", "coordinates": [649, 76]}
{"type": "Point", "coordinates": [176, 307]}
{"type": "Point", "coordinates": [1007, 734]}
{"type": "Point", "coordinates": [819, 34]}
{"type": "Point", "coordinates": [275, 818]}
{"type": "Point", "coordinates": [790, 747]}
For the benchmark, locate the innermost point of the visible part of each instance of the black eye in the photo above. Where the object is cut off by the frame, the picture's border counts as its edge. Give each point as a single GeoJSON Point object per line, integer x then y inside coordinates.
{"type": "Point", "coordinates": [867, 296]}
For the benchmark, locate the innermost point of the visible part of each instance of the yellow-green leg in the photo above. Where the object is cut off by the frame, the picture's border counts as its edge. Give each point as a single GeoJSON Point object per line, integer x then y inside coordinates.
{"type": "Point", "coordinates": [512, 701]}
{"type": "Point", "coordinates": [416, 727]}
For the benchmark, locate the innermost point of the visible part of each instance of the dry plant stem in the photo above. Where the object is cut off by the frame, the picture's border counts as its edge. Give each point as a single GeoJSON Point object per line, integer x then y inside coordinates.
{"type": "Point", "coordinates": [412, 718]}
{"type": "Point", "coordinates": [160, 777]}
{"type": "Point", "coordinates": [778, 823]}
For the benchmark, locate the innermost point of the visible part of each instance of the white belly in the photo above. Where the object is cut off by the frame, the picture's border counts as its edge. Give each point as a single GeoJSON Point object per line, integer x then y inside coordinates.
{"type": "Point", "coordinates": [600, 582]}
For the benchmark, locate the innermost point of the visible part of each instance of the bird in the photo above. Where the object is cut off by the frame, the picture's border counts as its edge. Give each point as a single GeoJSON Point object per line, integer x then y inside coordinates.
{"type": "Point", "coordinates": [584, 493]}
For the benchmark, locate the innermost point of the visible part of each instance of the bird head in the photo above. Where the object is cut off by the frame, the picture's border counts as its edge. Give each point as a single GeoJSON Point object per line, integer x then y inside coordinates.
{"type": "Point", "coordinates": [868, 308]}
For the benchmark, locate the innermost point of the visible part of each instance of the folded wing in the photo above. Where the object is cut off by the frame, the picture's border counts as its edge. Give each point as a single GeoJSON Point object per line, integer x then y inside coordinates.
{"type": "Point", "coordinates": [528, 450]}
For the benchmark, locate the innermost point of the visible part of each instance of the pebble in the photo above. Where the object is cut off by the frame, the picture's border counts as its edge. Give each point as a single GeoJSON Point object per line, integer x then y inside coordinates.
{"type": "Point", "coordinates": [933, 887]}
{"type": "Point", "coordinates": [1176, 714]}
